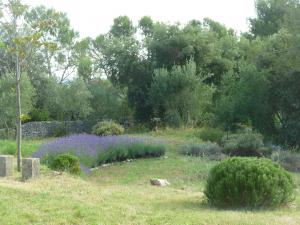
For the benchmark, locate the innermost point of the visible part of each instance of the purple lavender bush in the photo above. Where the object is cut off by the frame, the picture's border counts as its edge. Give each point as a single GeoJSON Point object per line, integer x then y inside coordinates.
{"type": "Point", "coordinates": [86, 147]}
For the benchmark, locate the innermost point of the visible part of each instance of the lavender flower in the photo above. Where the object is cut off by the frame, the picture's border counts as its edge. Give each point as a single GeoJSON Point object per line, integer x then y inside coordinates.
{"type": "Point", "coordinates": [86, 147]}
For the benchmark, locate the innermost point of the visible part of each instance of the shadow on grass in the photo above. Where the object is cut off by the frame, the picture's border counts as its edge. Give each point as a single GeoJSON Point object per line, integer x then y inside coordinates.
{"type": "Point", "coordinates": [202, 204]}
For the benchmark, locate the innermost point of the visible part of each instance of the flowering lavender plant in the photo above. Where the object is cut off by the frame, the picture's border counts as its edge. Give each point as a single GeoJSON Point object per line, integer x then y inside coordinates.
{"type": "Point", "coordinates": [86, 147]}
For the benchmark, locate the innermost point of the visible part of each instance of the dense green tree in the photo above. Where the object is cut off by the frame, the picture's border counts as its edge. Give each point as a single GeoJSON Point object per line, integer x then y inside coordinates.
{"type": "Point", "coordinates": [47, 98]}
{"type": "Point", "coordinates": [108, 102]}
{"type": "Point", "coordinates": [146, 25]}
{"type": "Point", "coordinates": [180, 97]}
{"type": "Point", "coordinates": [83, 57]}
{"type": "Point", "coordinates": [122, 27]}
{"type": "Point", "coordinates": [120, 59]}
{"type": "Point", "coordinates": [280, 60]}
{"type": "Point", "coordinates": [272, 15]}
{"type": "Point", "coordinates": [244, 100]}
{"type": "Point", "coordinates": [74, 101]}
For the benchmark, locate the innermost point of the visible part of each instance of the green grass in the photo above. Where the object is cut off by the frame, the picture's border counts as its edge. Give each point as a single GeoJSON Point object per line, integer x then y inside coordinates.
{"type": "Point", "coordinates": [121, 194]}
{"type": "Point", "coordinates": [9, 147]}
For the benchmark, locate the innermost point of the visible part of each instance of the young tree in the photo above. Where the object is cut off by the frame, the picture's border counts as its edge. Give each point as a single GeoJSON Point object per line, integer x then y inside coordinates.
{"type": "Point", "coordinates": [59, 40]}
{"type": "Point", "coordinates": [8, 98]}
{"type": "Point", "coordinates": [12, 15]}
{"type": "Point", "coordinates": [20, 41]}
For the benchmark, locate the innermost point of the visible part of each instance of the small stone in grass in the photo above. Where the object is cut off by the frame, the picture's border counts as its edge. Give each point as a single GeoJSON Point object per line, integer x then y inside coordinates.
{"type": "Point", "coordinates": [57, 173]}
{"type": "Point", "coordinates": [159, 182]}
{"type": "Point", "coordinates": [106, 165]}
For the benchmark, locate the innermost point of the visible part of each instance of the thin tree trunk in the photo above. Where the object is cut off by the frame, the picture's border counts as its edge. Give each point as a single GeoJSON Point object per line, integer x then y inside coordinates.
{"type": "Point", "coordinates": [18, 107]}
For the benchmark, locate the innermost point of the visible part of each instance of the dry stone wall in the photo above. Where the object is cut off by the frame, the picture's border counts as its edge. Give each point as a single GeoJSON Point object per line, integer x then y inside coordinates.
{"type": "Point", "coordinates": [52, 128]}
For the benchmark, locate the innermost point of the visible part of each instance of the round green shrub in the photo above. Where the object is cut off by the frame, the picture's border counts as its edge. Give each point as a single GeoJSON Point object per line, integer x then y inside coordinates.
{"type": "Point", "coordinates": [211, 134]}
{"type": "Point", "coordinates": [106, 128]}
{"type": "Point", "coordinates": [66, 162]}
{"type": "Point", "coordinates": [245, 144]}
{"type": "Point", "coordinates": [248, 182]}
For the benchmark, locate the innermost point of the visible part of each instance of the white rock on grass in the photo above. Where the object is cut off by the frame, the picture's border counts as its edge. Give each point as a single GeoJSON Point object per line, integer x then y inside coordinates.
{"type": "Point", "coordinates": [159, 182]}
{"type": "Point", "coordinates": [94, 168]}
{"type": "Point", "coordinates": [57, 173]}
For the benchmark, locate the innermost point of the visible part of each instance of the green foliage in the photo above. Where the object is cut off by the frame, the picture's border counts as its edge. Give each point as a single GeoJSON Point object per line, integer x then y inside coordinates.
{"type": "Point", "coordinates": [210, 150]}
{"type": "Point", "coordinates": [8, 98]}
{"type": "Point", "coordinates": [7, 133]}
{"type": "Point", "coordinates": [84, 68]}
{"type": "Point", "coordinates": [74, 102]}
{"type": "Point", "coordinates": [180, 97]}
{"type": "Point", "coordinates": [39, 115]}
{"type": "Point", "coordinates": [245, 98]}
{"type": "Point", "coordinates": [131, 151]}
{"type": "Point", "coordinates": [249, 182]}
{"type": "Point", "coordinates": [58, 56]}
{"type": "Point", "coordinates": [122, 27]}
{"type": "Point", "coordinates": [108, 102]}
{"type": "Point", "coordinates": [211, 134]}
{"type": "Point", "coordinates": [288, 102]}
{"type": "Point", "coordinates": [106, 128]}
{"type": "Point", "coordinates": [245, 144]}
{"type": "Point", "coordinates": [200, 73]}
{"type": "Point", "coordinates": [272, 15]}
{"type": "Point", "coordinates": [66, 162]}
{"type": "Point", "coordinates": [146, 25]}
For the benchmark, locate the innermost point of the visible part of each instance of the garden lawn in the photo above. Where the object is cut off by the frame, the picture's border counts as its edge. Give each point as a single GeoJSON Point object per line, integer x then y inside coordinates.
{"type": "Point", "coordinates": [121, 194]}
{"type": "Point", "coordinates": [9, 147]}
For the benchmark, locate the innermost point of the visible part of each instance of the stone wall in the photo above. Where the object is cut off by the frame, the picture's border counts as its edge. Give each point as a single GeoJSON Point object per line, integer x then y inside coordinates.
{"type": "Point", "coordinates": [54, 128]}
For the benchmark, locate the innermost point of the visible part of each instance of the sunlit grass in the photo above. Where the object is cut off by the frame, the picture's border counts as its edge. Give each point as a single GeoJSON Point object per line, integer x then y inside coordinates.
{"type": "Point", "coordinates": [121, 194]}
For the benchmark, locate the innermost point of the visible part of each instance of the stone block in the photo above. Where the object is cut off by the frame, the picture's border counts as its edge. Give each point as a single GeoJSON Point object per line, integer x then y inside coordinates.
{"type": "Point", "coordinates": [6, 165]}
{"type": "Point", "coordinates": [159, 182]}
{"type": "Point", "coordinates": [30, 168]}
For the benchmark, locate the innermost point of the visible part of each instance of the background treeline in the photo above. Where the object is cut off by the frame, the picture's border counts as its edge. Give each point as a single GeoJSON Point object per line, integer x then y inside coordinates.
{"type": "Point", "coordinates": [197, 74]}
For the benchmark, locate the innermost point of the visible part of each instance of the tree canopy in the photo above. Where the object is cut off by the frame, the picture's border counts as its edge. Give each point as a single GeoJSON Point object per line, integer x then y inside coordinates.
{"type": "Point", "coordinates": [194, 74]}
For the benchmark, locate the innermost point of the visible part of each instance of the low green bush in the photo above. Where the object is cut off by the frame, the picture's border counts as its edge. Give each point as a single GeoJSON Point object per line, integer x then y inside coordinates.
{"type": "Point", "coordinates": [210, 150]}
{"type": "Point", "coordinates": [132, 151]}
{"type": "Point", "coordinates": [39, 115]}
{"type": "Point", "coordinates": [245, 144]}
{"type": "Point", "coordinates": [249, 182]}
{"type": "Point", "coordinates": [211, 134]}
{"type": "Point", "coordinates": [106, 128]}
{"type": "Point", "coordinates": [66, 162]}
